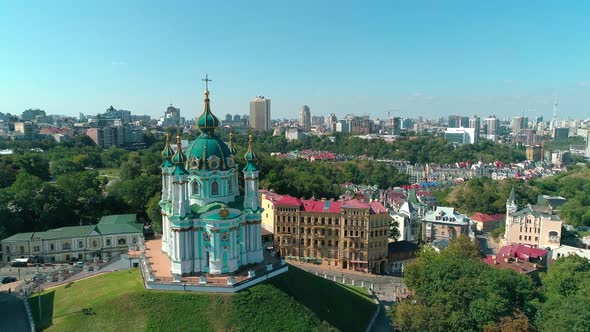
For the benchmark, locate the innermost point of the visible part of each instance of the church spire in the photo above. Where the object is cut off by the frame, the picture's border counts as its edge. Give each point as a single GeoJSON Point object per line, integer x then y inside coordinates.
{"type": "Point", "coordinates": [230, 145]}
{"type": "Point", "coordinates": [207, 122]}
{"type": "Point", "coordinates": [179, 158]}
{"type": "Point", "coordinates": [167, 153]}
{"type": "Point", "coordinates": [250, 156]}
{"type": "Point", "coordinates": [512, 197]}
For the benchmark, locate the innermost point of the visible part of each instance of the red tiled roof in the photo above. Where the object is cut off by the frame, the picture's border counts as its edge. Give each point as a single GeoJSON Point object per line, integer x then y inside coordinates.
{"type": "Point", "coordinates": [520, 267]}
{"type": "Point", "coordinates": [355, 204]}
{"type": "Point", "coordinates": [289, 200]}
{"type": "Point", "coordinates": [378, 207]}
{"type": "Point", "coordinates": [314, 205]}
{"type": "Point", "coordinates": [484, 217]}
{"type": "Point", "coordinates": [521, 251]}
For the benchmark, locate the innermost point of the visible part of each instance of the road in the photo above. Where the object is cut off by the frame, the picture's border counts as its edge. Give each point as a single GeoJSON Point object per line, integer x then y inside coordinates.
{"type": "Point", "coordinates": [13, 315]}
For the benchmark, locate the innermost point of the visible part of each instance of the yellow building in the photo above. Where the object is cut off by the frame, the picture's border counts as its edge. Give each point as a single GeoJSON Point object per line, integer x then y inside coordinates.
{"type": "Point", "coordinates": [348, 234]}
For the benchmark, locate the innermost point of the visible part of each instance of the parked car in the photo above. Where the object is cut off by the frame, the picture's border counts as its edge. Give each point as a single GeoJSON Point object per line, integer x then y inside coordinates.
{"type": "Point", "coordinates": [7, 280]}
{"type": "Point", "coordinates": [79, 264]}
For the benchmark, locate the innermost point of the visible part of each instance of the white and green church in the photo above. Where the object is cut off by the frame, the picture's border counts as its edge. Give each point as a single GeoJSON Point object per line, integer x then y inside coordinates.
{"type": "Point", "coordinates": [207, 226]}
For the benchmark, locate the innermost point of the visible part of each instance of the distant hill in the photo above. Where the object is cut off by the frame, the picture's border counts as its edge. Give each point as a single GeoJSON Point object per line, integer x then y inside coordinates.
{"type": "Point", "coordinates": [294, 301]}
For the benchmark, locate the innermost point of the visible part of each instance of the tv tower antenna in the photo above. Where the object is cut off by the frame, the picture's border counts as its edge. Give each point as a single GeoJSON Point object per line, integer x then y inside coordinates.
{"type": "Point", "coordinates": [554, 121]}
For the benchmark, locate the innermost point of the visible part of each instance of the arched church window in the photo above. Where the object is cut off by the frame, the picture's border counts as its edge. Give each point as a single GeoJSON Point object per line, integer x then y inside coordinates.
{"type": "Point", "coordinates": [195, 187]}
{"type": "Point", "coordinates": [214, 188]}
{"type": "Point", "coordinates": [108, 242]}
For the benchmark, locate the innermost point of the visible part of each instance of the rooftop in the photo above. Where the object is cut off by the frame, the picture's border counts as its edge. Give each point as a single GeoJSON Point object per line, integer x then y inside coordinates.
{"type": "Point", "coordinates": [484, 217]}
{"type": "Point", "coordinates": [402, 246]}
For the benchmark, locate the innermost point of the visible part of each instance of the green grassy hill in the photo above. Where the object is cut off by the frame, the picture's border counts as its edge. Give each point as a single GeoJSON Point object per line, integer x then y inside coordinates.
{"type": "Point", "coordinates": [294, 301]}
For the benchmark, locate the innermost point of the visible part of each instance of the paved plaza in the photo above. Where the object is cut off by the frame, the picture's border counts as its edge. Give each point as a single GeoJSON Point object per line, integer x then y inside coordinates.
{"type": "Point", "coordinates": [161, 267]}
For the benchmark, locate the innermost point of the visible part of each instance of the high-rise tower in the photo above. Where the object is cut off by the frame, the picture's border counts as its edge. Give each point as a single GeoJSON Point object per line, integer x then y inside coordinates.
{"type": "Point", "coordinates": [260, 114]}
{"type": "Point", "coordinates": [305, 118]}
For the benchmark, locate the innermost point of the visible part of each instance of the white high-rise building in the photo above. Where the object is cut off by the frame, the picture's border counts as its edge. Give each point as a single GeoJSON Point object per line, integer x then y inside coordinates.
{"type": "Point", "coordinates": [305, 118]}
{"type": "Point", "coordinates": [260, 114]}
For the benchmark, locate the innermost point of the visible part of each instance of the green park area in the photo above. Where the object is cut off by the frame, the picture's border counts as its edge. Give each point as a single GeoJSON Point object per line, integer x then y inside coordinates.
{"type": "Point", "coordinates": [294, 301]}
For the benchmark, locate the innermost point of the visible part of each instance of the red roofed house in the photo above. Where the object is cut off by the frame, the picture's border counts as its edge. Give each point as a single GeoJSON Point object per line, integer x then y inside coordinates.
{"type": "Point", "coordinates": [520, 258]}
{"type": "Point", "coordinates": [487, 222]}
{"type": "Point", "coordinates": [346, 234]}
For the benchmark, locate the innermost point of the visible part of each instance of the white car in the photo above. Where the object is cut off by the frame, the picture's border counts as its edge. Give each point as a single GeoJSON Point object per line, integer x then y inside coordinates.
{"type": "Point", "coordinates": [79, 264]}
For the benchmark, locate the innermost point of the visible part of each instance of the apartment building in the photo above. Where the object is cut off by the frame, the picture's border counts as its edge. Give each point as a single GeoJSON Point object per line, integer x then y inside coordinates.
{"type": "Point", "coordinates": [345, 234]}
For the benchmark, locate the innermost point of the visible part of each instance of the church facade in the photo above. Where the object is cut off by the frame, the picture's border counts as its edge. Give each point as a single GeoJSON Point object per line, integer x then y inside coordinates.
{"type": "Point", "coordinates": [207, 226]}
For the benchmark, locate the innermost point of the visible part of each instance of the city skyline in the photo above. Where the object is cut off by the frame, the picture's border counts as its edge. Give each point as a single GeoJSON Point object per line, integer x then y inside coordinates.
{"type": "Point", "coordinates": [427, 59]}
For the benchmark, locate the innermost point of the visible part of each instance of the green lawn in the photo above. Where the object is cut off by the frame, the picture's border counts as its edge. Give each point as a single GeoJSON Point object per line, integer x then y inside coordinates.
{"type": "Point", "coordinates": [109, 172]}
{"type": "Point", "coordinates": [294, 301]}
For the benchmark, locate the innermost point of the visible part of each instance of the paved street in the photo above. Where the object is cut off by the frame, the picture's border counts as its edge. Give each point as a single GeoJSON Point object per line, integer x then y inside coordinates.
{"type": "Point", "coordinates": [13, 316]}
{"type": "Point", "coordinates": [487, 244]}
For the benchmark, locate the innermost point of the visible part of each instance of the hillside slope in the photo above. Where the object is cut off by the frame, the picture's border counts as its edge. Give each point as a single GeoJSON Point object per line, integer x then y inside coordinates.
{"type": "Point", "coordinates": [294, 301]}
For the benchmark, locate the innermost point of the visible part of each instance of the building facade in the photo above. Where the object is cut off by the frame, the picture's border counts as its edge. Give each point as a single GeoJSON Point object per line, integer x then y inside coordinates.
{"type": "Point", "coordinates": [346, 234]}
{"type": "Point", "coordinates": [207, 226]}
{"type": "Point", "coordinates": [534, 226]}
{"type": "Point", "coordinates": [260, 114]}
{"type": "Point", "coordinates": [444, 223]}
{"type": "Point", "coordinates": [111, 236]}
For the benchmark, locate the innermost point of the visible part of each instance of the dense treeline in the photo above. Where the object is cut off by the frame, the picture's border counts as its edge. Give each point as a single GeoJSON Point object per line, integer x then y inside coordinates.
{"type": "Point", "coordinates": [77, 183]}
{"type": "Point", "coordinates": [575, 187]}
{"type": "Point", "coordinates": [455, 291]}
{"type": "Point", "coordinates": [486, 195]}
{"type": "Point", "coordinates": [419, 149]}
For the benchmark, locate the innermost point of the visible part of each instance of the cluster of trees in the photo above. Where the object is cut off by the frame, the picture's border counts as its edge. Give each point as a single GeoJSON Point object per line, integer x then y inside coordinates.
{"type": "Point", "coordinates": [573, 185]}
{"type": "Point", "coordinates": [455, 291]}
{"type": "Point", "coordinates": [418, 149]}
{"type": "Point", "coordinates": [486, 195]}
{"type": "Point", "coordinates": [62, 186]}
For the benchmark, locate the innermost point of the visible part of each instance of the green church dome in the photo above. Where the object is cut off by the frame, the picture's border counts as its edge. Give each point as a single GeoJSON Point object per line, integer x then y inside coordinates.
{"type": "Point", "coordinates": [203, 148]}
{"type": "Point", "coordinates": [207, 122]}
{"type": "Point", "coordinates": [208, 151]}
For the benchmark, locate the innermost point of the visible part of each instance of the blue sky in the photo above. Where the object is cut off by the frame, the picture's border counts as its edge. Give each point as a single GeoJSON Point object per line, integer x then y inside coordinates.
{"type": "Point", "coordinates": [428, 58]}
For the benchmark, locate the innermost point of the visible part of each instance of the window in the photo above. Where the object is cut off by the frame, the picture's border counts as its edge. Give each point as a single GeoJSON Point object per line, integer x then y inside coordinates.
{"type": "Point", "coordinates": [94, 244]}
{"type": "Point", "coordinates": [22, 249]}
{"type": "Point", "coordinates": [134, 240]}
{"type": "Point", "coordinates": [195, 187]}
{"type": "Point", "coordinates": [67, 246]}
{"type": "Point", "coordinates": [230, 186]}
{"type": "Point", "coordinates": [51, 247]}
{"type": "Point", "coordinates": [7, 249]}
{"type": "Point", "coordinates": [121, 241]}
{"type": "Point", "coordinates": [108, 242]}
{"type": "Point", "coordinates": [214, 188]}
{"type": "Point", "coordinates": [79, 256]}
{"type": "Point", "coordinates": [80, 244]}
{"type": "Point", "coordinates": [36, 248]}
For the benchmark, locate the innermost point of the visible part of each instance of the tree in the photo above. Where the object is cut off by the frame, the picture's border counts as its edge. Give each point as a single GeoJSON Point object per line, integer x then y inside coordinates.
{"type": "Point", "coordinates": [34, 164]}
{"type": "Point", "coordinates": [130, 169]}
{"type": "Point", "coordinates": [394, 230]}
{"type": "Point", "coordinates": [154, 212]}
{"type": "Point", "coordinates": [8, 172]}
{"type": "Point", "coordinates": [64, 166]}
{"type": "Point", "coordinates": [462, 246]}
{"type": "Point", "coordinates": [459, 291]}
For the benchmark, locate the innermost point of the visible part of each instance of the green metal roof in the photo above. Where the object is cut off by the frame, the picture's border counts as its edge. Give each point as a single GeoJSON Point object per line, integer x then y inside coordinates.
{"type": "Point", "coordinates": [108, 229]}
{"type": "Point", "coordinates": [118, 219]}
{"type": "Point", "coordinates": [64, 232]}
{"type": "Point", "coordinates": [20, 237]}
